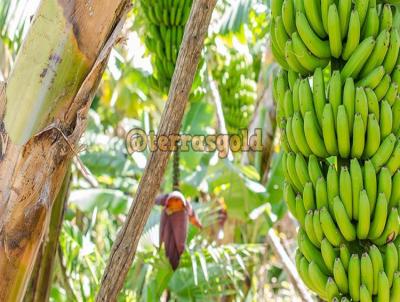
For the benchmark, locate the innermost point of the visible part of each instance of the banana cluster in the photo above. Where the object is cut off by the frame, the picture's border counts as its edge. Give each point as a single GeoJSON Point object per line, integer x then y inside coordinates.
{"type": "Point", "coordinates": [338, 275]}
{"type": "Point", "coordinates": [306, 35]}
{"type": "Point", "coordinates": [166, 23]}
{"type": "Point", "coordinates": [338, 108]}
{"type": "Point", "coordinates": [354, 119]}
{"type": "Point", "coordinates": [238, 90]}
{"type": "Point", "coordinates": [349, 204]}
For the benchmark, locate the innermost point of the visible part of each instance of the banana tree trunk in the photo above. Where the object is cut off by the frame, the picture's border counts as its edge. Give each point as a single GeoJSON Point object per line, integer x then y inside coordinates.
{"type": "Point", "coordinates": [40, 283]}
{"type": "Point", "coordinates": [43, 110]}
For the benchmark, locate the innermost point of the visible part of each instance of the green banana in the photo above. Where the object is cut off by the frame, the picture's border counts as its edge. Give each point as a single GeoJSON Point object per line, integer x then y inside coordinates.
{"type": "Point", "coordinates": [278, 55]}
{"type": "Point", "coordinates": [353, 36]}
{"type": "Point", "coordinates": [290, 135]}
{"type": "Point", "coordinates": [386, 119]}
{"type": "Point", "coordinates": [308, 197]}
{"type": "Point", "coordinates": [305, 57]}
{"type": "Point", "coordinates": [391, 94]}
{"type": "Point", "coordinates": [358, 143]}
{"type": "Point", "coordinates": [362, 9]}
{"type": "Point", "coordinates": [291, 168]}
{"type": "Point", "coordinates": [373, 78]}
{"type": "Point", "coordinates": [383, 87]}
{"type": "Point", "coordinates": [364, 216]}
{"type": "Point", "coordinates": [303, 271]}
{"type": "Point", "coordinates": [379, 218]}
{"type": "Point", "coordinates": [384, 288]}
{"type": "Point", "coordinates": [319, 233]}
{"type": "Point", "coordinates": [386, 21]}
{"type": "Point", "coordinates": [319, 94]}
{"type": "Point", "coordinates": [330, 230]}
{"type": "Point", "coordinates": [391, 229]}
{"type": "Point", "coordinates": [371, 24]}
{"type": "Point", "coordinates": [378, 54]}
{"type": "Point", "coordinates": [328, 130]}
{"type": "Point", "coordinates": [302, 169]}
{"type": "Point", "coordinates": [309, 228]}
{"type": "Point", "coordinates": [365, 295]}
{"type": "Point", "coordinates": [276, 7]}
{"type": "Point", "coordinates": [340, 276]}
{"type": "Point", "coordinates": [300, 210]}
{"type": "Point", "coordinates": [292, 60]}
{"type": "Point", "coordinates": [331, 289]}
{"type": "Point", "coordinates": [311, 252]}
{"type": "Point", "coordinates": [373, 137]}
{"type": "Point", "coordinates": [345, 190]}
{"type": "Point", "coordinates": [393, 52]}
{"type": "Point", "coordinates": [361, 105]}
{"type": "Point", "coordinates": [395, 195]}
{"type": "Point", "coordinates": [396, 115]}
{"type": "Point", "coordinates": [292, 78]}
{"type": "Point", "coordinates": [332, 183]}
{"type": "Point", "coordinates": [373, 104]}
{"type": "Point", "coordinates": [343, 220]}
{"type": "Point", "coordinates": [349, 92]}
{"type": "Point", "coordinates": [344, 8]}
{"type": "Point", "coordinates": [354, 277]}
{"type": "Point", "coordinates": [288, 16]}
{"type": "Point", "coordinates": [321, 193]}
{"type": "Point", "coordinates": [288, 104]}
{"type": "Point", "coordinates": [343, 132]}
{"type": "Point", "coordinates": [356, 185]}
{"type": "Point", "coordinates": [344, 255]}
{"type": "Point", "coordinates": [324, 13]}
{"type": "Point", "coordinates": [358, 58]}
{"type": "Point", "coordinates": [290, 197]}
{"type": "Point", "coordinates": [306, 99]}
{"type": "Point", "coordinates": [313, 138]}
{"type": "Point", "coordinates": [385, 182]}
{"type": "Point", "coordinates": [393, 163]}
{"type": "Point", "coordinates": [367, 273]}
{"type": "Point", "coordinates": [299, 135]}
{"type": "Point", "coordinates": [328, 254]}
{"type": "Point", "coordinates": [318, 47]}
{"type": "Point", "coordinates": [317, 277]}
{"type": "Point", "coordinates": [335, 92]}
{"type": "Point", "coordinates": [384, 152]}
{"type": "Point", "coordinates": [370, 183]}
{"type": "Point", "coordinates": [312, 9]}
{"type": "Point", "coordinates": [314, 169]}
{"type": "Point", "coordinates": [395, 291]}
{"type": "Point", "coordinates": [377, 265]}
{"type": "Point", "coordinates": [334, 31]}
{"type": "Point", "coordinates": [391, 261]}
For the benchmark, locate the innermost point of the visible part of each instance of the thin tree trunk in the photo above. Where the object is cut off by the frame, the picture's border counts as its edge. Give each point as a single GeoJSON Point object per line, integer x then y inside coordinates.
{"type": "Point", "coordinates": [43, 114]}
{"type": "Point", "coordinates": [39, 289]}
{"type": "Point", "coordinates": [124, 248]}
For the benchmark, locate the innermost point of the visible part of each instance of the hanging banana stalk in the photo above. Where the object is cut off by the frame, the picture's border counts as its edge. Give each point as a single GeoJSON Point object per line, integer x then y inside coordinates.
{"type": "Point", "coordinates": [43, 114]}
{"type": "Point", "coordinates": [338, 108]}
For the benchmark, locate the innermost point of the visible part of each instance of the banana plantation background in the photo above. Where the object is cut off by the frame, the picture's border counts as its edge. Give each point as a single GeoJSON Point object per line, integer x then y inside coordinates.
{"type": "Point", "coordinates": [245, 250]}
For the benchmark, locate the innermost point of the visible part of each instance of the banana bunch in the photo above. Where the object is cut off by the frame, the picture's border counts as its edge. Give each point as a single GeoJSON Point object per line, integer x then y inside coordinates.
{"type": "Point", "coordinates": [306, 35]}
{"type": "Point", "coordinates": [344, 274]}
{"type": "Point", "coordinates": [354, 119]}
{"type": "Point", "coordinates": [238, 89]}
{"type": "Point", "coordinates": [166, 20]}
{"type": "Point", "coordinates": [338, 109]}
{"type": "Point", "coordinates": [349, 222]}
{"type": "Point", "coordinates": [347, 205]}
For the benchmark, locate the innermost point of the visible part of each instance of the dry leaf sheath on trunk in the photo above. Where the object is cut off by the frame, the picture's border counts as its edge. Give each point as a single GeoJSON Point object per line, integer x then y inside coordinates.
{"type": "Point", "coordinates": [43, 113]}
{"type": "Point", "coordinates": [124, 248]}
